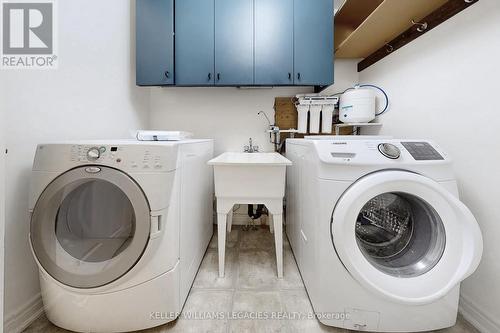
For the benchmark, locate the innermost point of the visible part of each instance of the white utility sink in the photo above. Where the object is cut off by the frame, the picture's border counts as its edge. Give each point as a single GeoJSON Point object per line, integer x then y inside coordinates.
{"type": "Point", "coordinates": [250, 175]}
{"type": "Point", "coordinates": [250, 159]}
{"type": "Point", "coordinates": [250, 178]}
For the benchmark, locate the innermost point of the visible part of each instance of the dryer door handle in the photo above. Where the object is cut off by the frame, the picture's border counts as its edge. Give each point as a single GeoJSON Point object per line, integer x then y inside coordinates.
{"type": "Point", "coordinates": [156, 226]}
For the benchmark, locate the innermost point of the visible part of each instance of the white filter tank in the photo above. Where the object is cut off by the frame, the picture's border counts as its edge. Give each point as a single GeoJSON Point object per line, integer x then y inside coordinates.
{"type": "Point", "coordinates": [357, 106]}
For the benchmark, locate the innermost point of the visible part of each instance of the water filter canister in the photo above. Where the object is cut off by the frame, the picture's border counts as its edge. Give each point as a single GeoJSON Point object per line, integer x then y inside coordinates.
{"type": "Point", "coordinates": [302, 111]}
{"type": "Point", "coordinates": [315, 118]}
{"type": "Point", "coordinates": [327, 117]}
{"type": "Point", "coordinates": [357, 106]}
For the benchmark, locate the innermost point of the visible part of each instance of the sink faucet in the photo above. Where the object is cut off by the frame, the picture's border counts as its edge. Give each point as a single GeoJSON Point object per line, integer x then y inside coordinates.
{"type": "Point", "coordinates": [274, 131]}
{"type": "Point", "coordinates": [250, 148]}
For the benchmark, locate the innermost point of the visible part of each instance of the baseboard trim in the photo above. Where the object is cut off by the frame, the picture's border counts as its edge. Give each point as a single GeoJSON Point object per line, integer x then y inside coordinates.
{"type": "Point", "coordinates": [24, 316]}
{"type": "Point", "coordinates": [474, 315]}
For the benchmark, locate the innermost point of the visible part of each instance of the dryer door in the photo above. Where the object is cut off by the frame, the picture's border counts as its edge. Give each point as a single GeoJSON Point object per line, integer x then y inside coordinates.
{"type": "Point", "coordinates": [405, 237]}
{"type": "Point", "coordinates": [90, 226]}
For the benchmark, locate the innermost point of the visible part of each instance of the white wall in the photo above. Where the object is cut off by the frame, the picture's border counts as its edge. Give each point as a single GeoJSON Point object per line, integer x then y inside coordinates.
{"type": "Point", "coordinates": [2, 196]}
{"type": "Point", "coordinates": [229, 115]}
{"type": "Point", "coordinates": [444, 86]}
{"type": "Point", "coordinates": [91, 95]}
{"type": "Point", "coordinates": [346, 76]}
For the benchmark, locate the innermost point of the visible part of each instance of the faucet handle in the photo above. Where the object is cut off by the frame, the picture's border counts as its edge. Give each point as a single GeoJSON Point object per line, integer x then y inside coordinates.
{"type": "Point", "coordinates": [256, 149]}
{"type": "Point", "coordinates": [246, 149]}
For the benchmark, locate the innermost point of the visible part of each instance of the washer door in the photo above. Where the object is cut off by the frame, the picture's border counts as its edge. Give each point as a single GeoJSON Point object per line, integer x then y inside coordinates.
{"type": "Point", "coordinates": [90, 226]}
{"type": "Point", "coordinates": [405, 237]}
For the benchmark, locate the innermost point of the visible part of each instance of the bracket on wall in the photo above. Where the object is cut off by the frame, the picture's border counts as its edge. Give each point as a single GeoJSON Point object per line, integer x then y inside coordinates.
{"type": "Point", "coordinates": [440, 15]}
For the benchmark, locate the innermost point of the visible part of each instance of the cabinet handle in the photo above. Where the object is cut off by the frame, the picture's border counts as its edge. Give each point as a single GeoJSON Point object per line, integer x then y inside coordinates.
{"type": "Point", "coordinates": [218, 76]}
{"type": "Point", "coordinates": [167, 74]}
{"type": "Point", "coordinates": [209, 76]}
{"type": "Point", "coordinates": [289, 76]}
{"type": "Point", "coordinates": [298, 76]}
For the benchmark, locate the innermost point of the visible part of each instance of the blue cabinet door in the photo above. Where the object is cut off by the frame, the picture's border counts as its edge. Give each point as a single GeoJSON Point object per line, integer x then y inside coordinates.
{"type": "Point", "coordinates": [313, 35]}
{"type": "Point", "coordinates": [154, 42]}
{"type": "Point", "coordinates": [273, 42]}
{"type": "Point", "coordinates": [234, 42]}
{"type": "Point", "coordinates": [194, 42]}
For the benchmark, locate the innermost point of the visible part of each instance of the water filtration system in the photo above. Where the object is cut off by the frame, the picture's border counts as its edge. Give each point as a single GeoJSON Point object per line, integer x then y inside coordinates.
{"type": "Point", "coordinates": [356, 105]}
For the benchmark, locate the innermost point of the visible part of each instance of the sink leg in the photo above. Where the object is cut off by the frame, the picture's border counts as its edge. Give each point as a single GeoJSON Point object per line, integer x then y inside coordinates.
{"type": "Point", "coordinates": [230, 220]}
{"type": "Point", "coordinates": [270, 222]}
{"type": "Point", "coordinates": [221, 235]}
{"type": "Point", "coordinates": [278, 241]}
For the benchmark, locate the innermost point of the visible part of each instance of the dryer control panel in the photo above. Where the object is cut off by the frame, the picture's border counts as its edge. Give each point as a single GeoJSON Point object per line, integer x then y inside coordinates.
{"type": "Point", "coordinates": [129, 157]}
{"type": "Point", "coordinates": [117, 155]}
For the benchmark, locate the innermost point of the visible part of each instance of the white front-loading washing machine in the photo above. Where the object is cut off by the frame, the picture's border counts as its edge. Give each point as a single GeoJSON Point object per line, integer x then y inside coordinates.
{"type": "Point", "coordinates": [380, 237]}
{"type": "Point", "coordinates": [119, 229]}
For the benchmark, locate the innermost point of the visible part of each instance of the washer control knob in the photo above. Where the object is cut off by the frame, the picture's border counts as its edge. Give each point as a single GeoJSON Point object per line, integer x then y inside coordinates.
{"type": "Point", "coordinates": [93, 154]}
{"type": "Point", "coordinates": [389, 150]}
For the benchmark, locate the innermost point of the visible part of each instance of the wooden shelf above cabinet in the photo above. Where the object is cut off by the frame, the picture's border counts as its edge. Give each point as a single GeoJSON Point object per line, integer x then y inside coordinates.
{"type": "Point", "coordinates": [350, 16]}
{"type": "Point", "coordinates": [363, 26]}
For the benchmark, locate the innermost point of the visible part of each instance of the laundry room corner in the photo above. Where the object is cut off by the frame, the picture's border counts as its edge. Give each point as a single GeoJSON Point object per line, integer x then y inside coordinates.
{"type": "Point", "coordinates": [252, 166]}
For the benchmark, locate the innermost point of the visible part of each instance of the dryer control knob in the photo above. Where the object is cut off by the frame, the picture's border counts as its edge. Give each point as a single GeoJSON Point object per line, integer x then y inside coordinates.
{"type": "Point", "coordinates": [93, 154]}
{"type": "Point", "coordinates": [389, 150]}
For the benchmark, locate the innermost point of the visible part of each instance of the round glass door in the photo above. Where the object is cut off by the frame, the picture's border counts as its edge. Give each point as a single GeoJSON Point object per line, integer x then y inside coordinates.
{"type": "Point", "coordinates": [400, 234]}
{"type": "Point", "coordinates": [95, 222]}
{"type": "Point", "coordinates": [90, 227]}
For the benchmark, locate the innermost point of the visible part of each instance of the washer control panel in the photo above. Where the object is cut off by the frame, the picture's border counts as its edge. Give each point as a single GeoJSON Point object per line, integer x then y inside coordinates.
{"type": "Point", "coordinates": [389, 150]}
{"type": "Point", "coordinates": [422, 151]}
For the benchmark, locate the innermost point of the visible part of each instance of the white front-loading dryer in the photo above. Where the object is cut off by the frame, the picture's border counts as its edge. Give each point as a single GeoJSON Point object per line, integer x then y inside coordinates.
{"type": "Point", "coordinates": [118, 231]}
{"type": "Point", "coordinates": [380, 237]}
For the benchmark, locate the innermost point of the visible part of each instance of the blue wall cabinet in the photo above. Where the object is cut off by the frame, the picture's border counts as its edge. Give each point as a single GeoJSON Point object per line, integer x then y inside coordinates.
{"type": "Point", "coordinates": [154, 42]}
{"type": "Point", "coordinates": [194, 42]}
{"type": "Point", "coordinates": [274, 42]}
{"type": "Point", "coordinates": [313, 40]}
{"type": "Point", "coordinates": [234, 42]}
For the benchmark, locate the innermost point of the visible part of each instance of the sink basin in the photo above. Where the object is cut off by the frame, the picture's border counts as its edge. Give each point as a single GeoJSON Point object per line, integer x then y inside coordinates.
{"type": "Point", "coordinates": [250, 159]}
{"type": "Point", "coordinates": [250, 175]}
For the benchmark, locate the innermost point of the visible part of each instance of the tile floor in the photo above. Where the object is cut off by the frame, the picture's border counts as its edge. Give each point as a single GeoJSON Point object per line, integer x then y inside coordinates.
{"type": "Point", "coordinates": [250, 285]}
